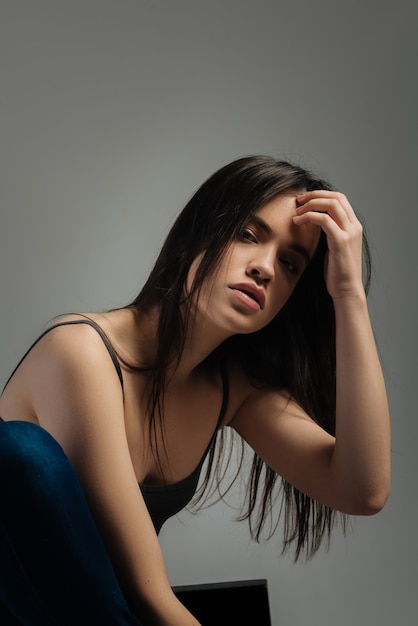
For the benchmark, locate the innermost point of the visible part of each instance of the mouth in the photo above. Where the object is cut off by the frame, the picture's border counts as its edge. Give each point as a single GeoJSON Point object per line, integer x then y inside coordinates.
{"type": "Point", "coordinates": [252, 292]}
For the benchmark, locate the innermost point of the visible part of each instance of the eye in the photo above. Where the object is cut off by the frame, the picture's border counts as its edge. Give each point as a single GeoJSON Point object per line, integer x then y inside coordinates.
{"type": "Point", "coordinates": [248, 235]}
{"type": "Point", "coordinates": [289, 265]}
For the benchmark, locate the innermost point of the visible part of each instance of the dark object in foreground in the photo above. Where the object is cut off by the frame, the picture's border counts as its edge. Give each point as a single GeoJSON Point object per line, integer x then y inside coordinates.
{"type": "Point", "coordinates": [243, 602]}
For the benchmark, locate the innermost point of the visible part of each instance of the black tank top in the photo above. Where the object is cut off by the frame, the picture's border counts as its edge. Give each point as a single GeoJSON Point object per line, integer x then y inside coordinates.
{"type": "Point", "coordinates": [162, 501]}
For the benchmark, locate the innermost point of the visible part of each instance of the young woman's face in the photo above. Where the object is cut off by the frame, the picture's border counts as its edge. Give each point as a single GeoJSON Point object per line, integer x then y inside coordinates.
{"type": "Point", "coordinates": [260, 270]}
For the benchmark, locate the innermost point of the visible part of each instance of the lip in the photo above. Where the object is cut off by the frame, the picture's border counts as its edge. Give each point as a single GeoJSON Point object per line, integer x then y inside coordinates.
{"type": "Point", "coordinates": [256, 293]}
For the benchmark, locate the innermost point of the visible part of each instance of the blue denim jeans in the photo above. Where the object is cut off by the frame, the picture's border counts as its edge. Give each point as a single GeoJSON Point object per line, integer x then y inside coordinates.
{"type": "Point", "coordinates": [54, 569]}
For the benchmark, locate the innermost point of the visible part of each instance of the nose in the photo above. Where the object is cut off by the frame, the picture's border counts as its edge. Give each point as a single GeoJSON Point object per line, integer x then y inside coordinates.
{"type": "Point", "coordinates": [261, 269]}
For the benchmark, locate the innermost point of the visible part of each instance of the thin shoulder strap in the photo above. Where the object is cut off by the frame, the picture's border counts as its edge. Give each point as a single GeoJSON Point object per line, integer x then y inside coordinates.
{"type": "Point", "coordinates": [89, 322]}
{"type": "Point", "coordinates": [210, 450]}
{"type": "Point", "coordinates": [225, 394]}
{"type": "Point", "coordinates": [224, 406]}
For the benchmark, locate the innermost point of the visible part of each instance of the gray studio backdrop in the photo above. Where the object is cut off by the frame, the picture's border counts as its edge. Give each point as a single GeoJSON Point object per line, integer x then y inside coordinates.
{"type": "Point", "coordinates": [114, 111]}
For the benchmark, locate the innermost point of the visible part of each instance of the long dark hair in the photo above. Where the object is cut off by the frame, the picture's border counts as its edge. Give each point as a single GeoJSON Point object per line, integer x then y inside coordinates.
{"type": "Point", "coordinates": [295, 352]}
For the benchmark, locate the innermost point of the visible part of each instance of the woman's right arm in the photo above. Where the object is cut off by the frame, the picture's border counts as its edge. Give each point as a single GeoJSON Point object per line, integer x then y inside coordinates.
{"type": "Point", "coordinates": [76, 395]}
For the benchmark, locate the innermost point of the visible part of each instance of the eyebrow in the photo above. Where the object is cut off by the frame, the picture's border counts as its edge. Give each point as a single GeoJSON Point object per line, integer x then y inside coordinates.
{"type": "Point", "coordinates": [296, 247]}
{"type": "Point", "coordinates": [261, 224]}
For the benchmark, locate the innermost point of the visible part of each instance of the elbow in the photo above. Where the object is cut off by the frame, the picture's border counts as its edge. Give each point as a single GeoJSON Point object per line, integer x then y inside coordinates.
{"type": "Point", "coordinates": [373, 506]}
{"type": "Point", "coordinates": [379, 496]}
{"type": "Point", "coordinates": [379, 501]}
{"type": "Point", "coordinates": [371, 503]}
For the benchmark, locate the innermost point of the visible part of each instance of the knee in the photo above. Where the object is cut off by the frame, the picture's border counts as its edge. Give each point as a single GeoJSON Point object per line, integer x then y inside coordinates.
{"type": "Point", "coordinates": [28, 453]}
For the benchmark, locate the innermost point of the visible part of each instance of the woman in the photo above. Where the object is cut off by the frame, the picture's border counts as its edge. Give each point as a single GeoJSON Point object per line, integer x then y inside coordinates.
{"type": "Point", "coordinates": [254, 317]}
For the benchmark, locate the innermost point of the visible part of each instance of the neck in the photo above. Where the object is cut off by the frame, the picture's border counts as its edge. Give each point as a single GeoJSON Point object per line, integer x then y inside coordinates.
{"type": "Point", "coordinates": [202, 338]}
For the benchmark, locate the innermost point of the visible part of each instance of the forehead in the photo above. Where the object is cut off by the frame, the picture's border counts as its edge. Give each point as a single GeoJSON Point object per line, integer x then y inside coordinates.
{"type": "Point", "coordinates": [277, 216]}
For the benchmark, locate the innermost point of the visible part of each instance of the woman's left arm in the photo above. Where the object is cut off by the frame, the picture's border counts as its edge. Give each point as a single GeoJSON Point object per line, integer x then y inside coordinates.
{"type": "Point", "coordinates": [362, 448]}
{"type": "Point", "coordinates": [351, 471]}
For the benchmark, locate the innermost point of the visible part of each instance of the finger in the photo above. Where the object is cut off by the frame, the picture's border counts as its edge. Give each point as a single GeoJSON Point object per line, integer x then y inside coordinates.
{"type": "Point", "coordinates": [330, 206]}
{"type": "Point", "coordinates": [338, 201]}
{"type": "Point", "coordinates": [336, 236]}
{"type": "Point", "coordinates": [323, 220]}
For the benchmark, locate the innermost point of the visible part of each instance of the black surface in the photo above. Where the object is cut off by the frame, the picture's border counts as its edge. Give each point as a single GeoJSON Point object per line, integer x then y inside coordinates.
{"type": "Point", "coordinates": [235, 603]}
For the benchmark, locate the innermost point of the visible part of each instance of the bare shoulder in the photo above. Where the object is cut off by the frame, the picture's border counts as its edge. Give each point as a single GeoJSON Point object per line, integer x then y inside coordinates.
{"type": "Point", "coordinates": [76, 352]}
{"type": "Point", "coordinates": [249, 398]}
{"type": "Point", "coordinates": [69, 372]}
{"type": "Point", "coordinates": [260, 401]}
{"type": "Point", "coordinates": [260, 410]}
{"type": "Point", "coordinates": [55, 345]}
{"type": "Point", "coordinates": [79, 339]}
{"type": "Point", "coordinates": [70, 342]}
{"type": "Point", "coordinates": [290, 442]}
